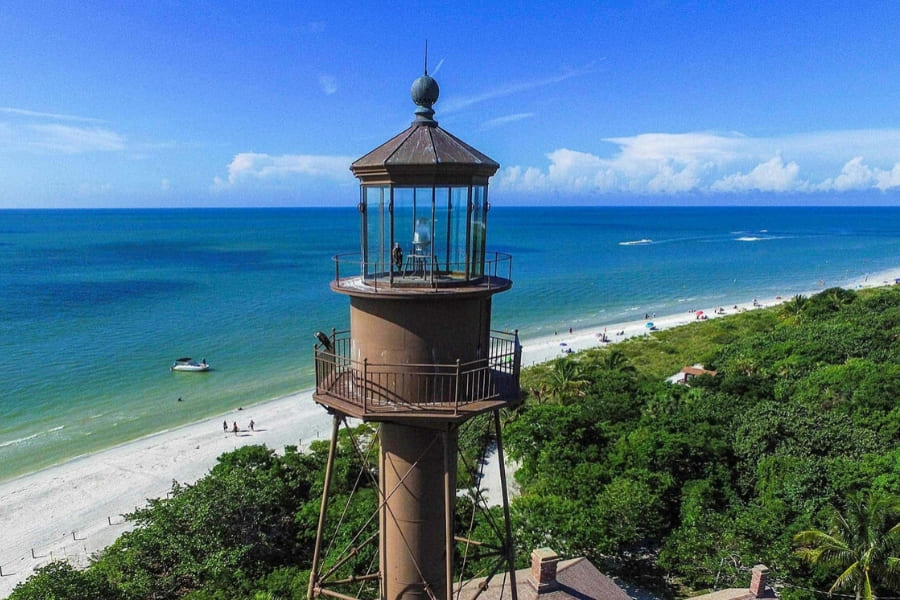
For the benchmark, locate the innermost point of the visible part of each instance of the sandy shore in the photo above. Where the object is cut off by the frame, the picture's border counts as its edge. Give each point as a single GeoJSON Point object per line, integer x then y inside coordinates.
{"type": "Point", "coordinates": [74, 509]}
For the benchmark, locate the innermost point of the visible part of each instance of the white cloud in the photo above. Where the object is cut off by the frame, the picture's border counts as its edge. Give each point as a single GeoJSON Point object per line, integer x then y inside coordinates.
{"type": "Point", "coordinates": [856, 175]}
{"type": "Point", "coordinates": [666, 163]}
{"type": "Point", "coordinates": [578, 169]}
{"type": "Point", "coordinates": [681, 148]}
{"type": "Point", "coordinates": [21, 112]}
{"type": "Point", "coordinates": [771, 176]}
{"type": "Point", "coordinates": [30, 130]}
{"type": "Point", "coordinates": [72, 140]}
{"type": "Point", "coordinates": [650, 163]}
{"type": "Point", "coordinates": [888, 179]}
{"type": "Point", "coordinates": [249, 167]}
{"type": "Point", "coordinates": [669, 180]}
{"type": "Point", "coordinates": [457, 103]}
{"type": "Point", "coordinates": [328, 84]}
{"type": "Point", "coordinates": [499, 121]}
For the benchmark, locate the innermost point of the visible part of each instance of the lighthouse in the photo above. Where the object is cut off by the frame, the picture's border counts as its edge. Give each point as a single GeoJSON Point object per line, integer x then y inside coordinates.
{"type": "Point", "coordinates": [420, 358]}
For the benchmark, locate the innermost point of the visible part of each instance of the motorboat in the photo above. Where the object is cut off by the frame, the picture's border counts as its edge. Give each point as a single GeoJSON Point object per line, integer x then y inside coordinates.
{"type": "Point", "coordinates": [189, 364]}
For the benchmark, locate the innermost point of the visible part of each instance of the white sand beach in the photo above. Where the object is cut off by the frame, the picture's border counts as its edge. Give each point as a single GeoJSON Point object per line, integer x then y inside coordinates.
{"type": "Point", "coordinates": [74, 509]}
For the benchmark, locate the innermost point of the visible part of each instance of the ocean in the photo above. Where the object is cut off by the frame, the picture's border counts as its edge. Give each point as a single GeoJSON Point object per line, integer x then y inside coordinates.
{"type": "Point", "coordinates": [96, 304]}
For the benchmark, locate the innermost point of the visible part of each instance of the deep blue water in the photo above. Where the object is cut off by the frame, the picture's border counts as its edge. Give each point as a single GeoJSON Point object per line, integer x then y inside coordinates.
{"type": "Point", "coordinates": [94, 305]}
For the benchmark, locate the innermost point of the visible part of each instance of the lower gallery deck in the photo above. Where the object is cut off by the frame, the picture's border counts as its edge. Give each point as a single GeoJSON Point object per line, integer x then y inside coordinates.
{"type": "Point", "coordinates": [418, 391]}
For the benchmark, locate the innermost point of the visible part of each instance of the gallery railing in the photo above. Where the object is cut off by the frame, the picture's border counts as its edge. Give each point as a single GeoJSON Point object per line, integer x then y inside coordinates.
{"type": "Point", "coordinates": [372, 388]}
{"type": "Point", "coordinates": [417, 270]}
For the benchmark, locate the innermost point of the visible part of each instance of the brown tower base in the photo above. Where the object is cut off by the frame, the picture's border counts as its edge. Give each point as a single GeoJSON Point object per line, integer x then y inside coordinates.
{"type": "Point", "coordinates": [418, 485]}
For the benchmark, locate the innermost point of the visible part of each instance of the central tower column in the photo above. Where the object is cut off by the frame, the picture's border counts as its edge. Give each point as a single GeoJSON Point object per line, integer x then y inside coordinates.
{"type": "Point", "coordinates": [417, 467]}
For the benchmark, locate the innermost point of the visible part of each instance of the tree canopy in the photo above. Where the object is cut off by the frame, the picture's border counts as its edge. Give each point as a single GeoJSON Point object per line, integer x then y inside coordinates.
{"type": "Point", "coordinates": [704, 481]}
{"type": "Point", "coordinates": [862, 543]}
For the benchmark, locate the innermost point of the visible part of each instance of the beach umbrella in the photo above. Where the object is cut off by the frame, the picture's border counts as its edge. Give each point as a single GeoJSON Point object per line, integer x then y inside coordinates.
{"type": "Point", "coordinates": [699, 312]}
{"type": "Point", "coordinates": [650, 325]}
{"type": "Point", "coordinates": [563, 344]}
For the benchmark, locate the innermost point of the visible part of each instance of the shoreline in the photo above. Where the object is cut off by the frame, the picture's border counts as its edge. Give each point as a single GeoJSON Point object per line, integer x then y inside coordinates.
{"type": "Point", "coordinates": [73, 509]}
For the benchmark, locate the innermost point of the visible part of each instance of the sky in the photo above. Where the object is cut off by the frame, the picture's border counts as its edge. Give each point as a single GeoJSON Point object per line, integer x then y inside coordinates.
{"type": "Point", "coordinates": [217, 103]}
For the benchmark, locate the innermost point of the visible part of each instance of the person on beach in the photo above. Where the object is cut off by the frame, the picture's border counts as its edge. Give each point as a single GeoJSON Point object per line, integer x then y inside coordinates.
{"type": "Point", "coordinates": [251, 425]}
{"type": "Point", "coordinates": [225, 426]}
{"type": "Point", "coordinates": [235, 428]}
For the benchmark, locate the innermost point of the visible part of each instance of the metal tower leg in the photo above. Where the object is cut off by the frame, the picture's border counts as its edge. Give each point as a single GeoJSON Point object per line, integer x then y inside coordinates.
{"type": "Point", "coordinates": [449, 502]}
{"type": "Point", "coordinates": [510, 551]}
{"type": "Point", "coordinates": [323, 507]}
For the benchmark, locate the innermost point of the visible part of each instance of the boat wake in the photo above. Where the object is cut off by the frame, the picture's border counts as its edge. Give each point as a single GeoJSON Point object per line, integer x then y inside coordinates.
{"type": "Point", "coordinates": [642, 242]}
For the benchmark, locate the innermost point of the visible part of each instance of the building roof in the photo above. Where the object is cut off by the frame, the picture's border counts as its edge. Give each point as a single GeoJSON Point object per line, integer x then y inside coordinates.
{"type": "Point", "coordinates": [727, 594]}
{"type": "Point", "coordinates": [575, 578]}
{"type": "Point", "coordinates": [696, 371]}
{"type": "Point", "coordinates": [687, 372]}
{"type": "Point", "coordinates": [757, 589]}
{"type": "Point", "coordinates": [424, 153]}
{"type": "Point", "coordinates": [424, 150]}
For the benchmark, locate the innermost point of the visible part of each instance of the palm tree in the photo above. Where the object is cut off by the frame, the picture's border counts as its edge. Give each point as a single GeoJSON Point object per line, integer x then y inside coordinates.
{"type": "Point", "coordinates": [862, 542]}
{"type": "Point", "coordinates": [566, 380]}
{"type": "Point", "coordinates": [794, 307]}
{"type": "Point", "coordinates": [838, 298]}
{"type": "Point", "coordinates": [615, 360]}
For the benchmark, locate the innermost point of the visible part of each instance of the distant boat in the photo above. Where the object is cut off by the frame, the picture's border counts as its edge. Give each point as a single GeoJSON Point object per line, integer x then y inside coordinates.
{"type": "Point", "coordinates": [189, 364]}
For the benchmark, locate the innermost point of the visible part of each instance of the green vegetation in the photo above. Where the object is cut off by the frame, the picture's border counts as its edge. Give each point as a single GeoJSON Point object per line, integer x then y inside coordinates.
{"type": "Point", "coordinates": [699, 483]}
{"type": "Point", "coordinates": [246, 530]}
{"type": "Point", "coordinates": [859, 542]}
{"type": "Point", "coordinates": [788, 457]}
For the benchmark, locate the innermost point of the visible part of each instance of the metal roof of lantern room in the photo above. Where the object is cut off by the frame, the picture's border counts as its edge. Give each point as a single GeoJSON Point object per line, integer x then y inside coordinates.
{"type": "Point", "coordinates": [424, 154]}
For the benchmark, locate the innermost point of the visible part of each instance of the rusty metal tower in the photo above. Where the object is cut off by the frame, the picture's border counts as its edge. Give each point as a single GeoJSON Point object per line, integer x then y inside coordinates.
{"type": "Point", "coordinates": [420, 358]}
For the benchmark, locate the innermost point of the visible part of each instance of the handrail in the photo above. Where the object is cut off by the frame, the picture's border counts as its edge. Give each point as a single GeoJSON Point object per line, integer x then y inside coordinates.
{"type": "Point", "coordinates": [386, 387]}
{"type": "Point", "coordinates": [430, 272]}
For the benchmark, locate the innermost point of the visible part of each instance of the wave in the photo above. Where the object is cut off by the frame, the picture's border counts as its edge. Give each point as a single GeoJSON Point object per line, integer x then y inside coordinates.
{"type": "Point", "coordinates": [765, 238]}
{"type": "Point", "coordinates": [641, 242]}
{"type": "Point", "coordinates": [30, 437]}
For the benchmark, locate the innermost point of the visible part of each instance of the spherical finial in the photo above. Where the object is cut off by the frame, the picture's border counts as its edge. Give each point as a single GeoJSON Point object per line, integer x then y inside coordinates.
{"type": "Point", "coordinates": [425, 92]}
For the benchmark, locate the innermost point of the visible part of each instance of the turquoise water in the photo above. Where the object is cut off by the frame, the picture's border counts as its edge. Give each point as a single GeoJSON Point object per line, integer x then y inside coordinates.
{"type": "Point", "coordinates": [95, 305]}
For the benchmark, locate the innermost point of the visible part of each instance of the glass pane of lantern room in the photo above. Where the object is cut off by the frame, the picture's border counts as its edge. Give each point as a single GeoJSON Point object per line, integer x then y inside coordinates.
{"type": "Point", "coordinates": [404, 218]}
{"type": "Point", "coordinates": [377, 232]}
{"type": "Point", "coordinates": [456, 230]}
{"type": "Point", "coordinates": [478, 233]}
{"type": "Point", "coordinates": [423, 234]}
{"type": "Point", "coordinates": [439, 231]}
